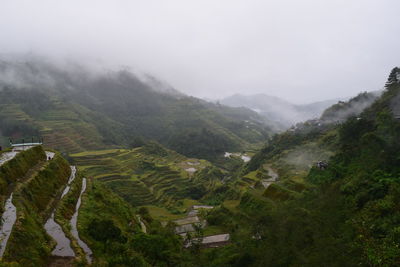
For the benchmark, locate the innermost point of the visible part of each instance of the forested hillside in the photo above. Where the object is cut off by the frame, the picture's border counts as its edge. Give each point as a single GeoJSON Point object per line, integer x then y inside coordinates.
{"type": "Point", "coordinates": [75, 109]}
{"type": "Point", "coordinates": [344, 211]}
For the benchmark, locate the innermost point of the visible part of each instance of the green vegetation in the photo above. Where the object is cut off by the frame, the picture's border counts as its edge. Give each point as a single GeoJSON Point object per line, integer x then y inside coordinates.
{"type": "Point", "coordinates": [15, 169]}
{"type": "Point", "coordinates": [34, 198]}
{"type": "Point", "coordinates": [150, 175]}
{"type": "Point", "coordinates": [109, 226]}
{"type": "Point", "coordinates": [346, 214]}
{"type": "Point", "coordinates": [118, 109]}
{"type": "Point", "coordinates": [280, 209]}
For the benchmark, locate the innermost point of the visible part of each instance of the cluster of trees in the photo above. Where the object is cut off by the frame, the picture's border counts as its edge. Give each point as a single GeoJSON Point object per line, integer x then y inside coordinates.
{"type": "Point", "coordinates": [349, 214]}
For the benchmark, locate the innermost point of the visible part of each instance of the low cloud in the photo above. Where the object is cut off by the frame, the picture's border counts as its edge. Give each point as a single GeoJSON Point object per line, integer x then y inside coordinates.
{"type": "Point", "coordinates": [302, 51]}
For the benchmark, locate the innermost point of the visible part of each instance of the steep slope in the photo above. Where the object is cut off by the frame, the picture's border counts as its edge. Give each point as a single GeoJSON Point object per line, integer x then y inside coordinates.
{"type": "Point", "coordinates": [75, 109]}
{"type": "Point", "coordinates": [314, 140]}
{"type": "Point", "coordinates": [48, 193]}
{"type": "Point", "coordinates": [346, 211]}
{"type": "Point", "coordinates": [34, 188]}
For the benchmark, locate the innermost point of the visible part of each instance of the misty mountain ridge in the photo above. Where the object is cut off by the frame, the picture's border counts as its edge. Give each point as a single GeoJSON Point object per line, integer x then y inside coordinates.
{"type": "Point", "coordinates": [34, 71]}
{"type": "Point", "coordinates": [279, 110]}
{"type": "Point", "coordinates": [353, 107]}
{"type": "Point", "coordinates": [76, 108]}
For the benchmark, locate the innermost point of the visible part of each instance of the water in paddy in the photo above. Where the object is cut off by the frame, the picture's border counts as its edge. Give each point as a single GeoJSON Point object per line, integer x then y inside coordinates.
{"type": "Point", "coordinates": [8, 219]}
{"type": "Point", "coordinates": [245, 158]}
{"type": "Point", "coordinates": [53, 229]}
{"type": "Point", "coordinates": [6, 156]}
{"type": "Point", "coordinates": [10, 211]}
{"type": "Point", "coordinates": [63, 248]}
{"type": "Point", "coordinates": [74, 229]}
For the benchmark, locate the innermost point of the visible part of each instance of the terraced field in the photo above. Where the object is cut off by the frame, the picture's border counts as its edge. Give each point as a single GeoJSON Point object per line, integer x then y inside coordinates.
{"type": "Point", "coordinates": [143, 176]}
{"type": "Point", "coordinates": [65, 130]}
{"type": "Point", "coordinates": [61, 128]}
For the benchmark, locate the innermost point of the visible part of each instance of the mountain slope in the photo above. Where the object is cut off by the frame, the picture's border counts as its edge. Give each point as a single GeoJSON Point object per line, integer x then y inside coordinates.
{"type": "Point", "coordinates": [75, 109]}
{"type": "Point", "coordinates": [342, 212]}
{"type": "Point", "coordinates": [150, 174]}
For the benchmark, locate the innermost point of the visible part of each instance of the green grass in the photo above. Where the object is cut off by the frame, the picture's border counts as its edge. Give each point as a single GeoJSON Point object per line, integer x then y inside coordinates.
{"type": "Point", "coordinates": [98, 153]}
{"type": "Point", "coordinates": [34, 199]}
{"type": "Point", "coordinates": [15, 169]}
{"type": "Point", "coordinates": [231, 204]}
{"type": "Point", "coordinates": [162, 214]}
{"type": "Point", "coordinates": [99, 203]}
{"type": "Point", "coordinates": [213, 230]}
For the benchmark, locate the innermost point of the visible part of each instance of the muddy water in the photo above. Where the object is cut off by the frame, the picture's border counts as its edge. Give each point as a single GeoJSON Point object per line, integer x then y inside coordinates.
{"type": "Point", "coordinates": [74, 229]}
{"type": "Point", "coordinates": [63, 248]}
{"type": "Point", "coordinates": [8, 219]}
{"type": "Point", "coordinates": [73, 173]}
{"type": "Point", "coordinates": [6, 156]}
{"type": "Point", "coordinates": [71, 178]}
{"type": "Point", "coordinates": [53, 229]}
{"type": "Point", "coordinates": [245, 158]}
{"type": "Point", "coordinates": [10, 211]}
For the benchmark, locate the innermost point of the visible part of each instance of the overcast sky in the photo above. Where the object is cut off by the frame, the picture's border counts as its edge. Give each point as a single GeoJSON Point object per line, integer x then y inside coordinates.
{"type": "Point", "coordinates": [300, 50]}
